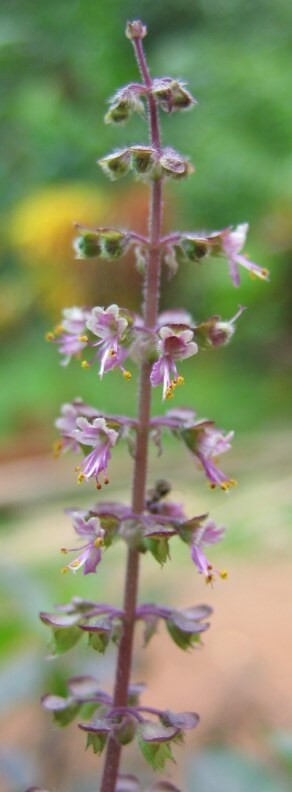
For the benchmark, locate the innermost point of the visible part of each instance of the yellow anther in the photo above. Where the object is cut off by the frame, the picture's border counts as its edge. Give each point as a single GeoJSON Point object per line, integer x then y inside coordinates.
{"type": "Point", "coordinates": [78, 467]}
{"type": "Point", "coordinates": [84, 364]}
{"type": "Point", "coordinates": [180, 380]}
{"type": "Point", "coordinates": [225, 486]}
{"type": "Point", "coordinates": [223, 574]}
{"type": "Point", "coordinates": [169, 393]}
{"type": "Point", "coordinates": [75, 563]}
{"type": "Point", "coordinates": [263, 274]}
{"type": "Point", "coordinates": [63, 550]}
{"type": "Point", "coordinates": [112, 352]}
{"type": "Point", "coordinates": [83, 338]}
{"type": "Point", "coordinates": [81, 478]}
{"type": "Point", "coordinates": [59, 329]}
{"type": "Point", "coordinates": [64, 570]}
{"type": "Point", "coordinates": [98, 542]}
{"type": "Point", "coordinates": [50, 336]}
{"type": "Point", "coordinates": [127, 375]}
{"type": "Point", "coordinates": [57, 448]}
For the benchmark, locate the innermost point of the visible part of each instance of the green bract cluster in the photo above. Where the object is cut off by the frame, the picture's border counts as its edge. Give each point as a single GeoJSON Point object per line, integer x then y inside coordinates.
{"type": "Point", "coordinates": [146, 163]}
{"type": "Point", "coordinates": [107, 243]}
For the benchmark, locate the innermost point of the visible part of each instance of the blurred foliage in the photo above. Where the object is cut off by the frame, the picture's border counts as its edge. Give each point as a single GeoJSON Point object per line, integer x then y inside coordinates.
{"type": "Point", "coordinates": [219, 769]}
{"type": "Point", "coordinates": [59, 64]}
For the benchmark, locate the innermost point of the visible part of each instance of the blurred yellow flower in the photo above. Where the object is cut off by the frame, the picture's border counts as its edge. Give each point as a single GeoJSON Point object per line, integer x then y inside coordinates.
{"type": "Point", "coordinates": [41, 233]}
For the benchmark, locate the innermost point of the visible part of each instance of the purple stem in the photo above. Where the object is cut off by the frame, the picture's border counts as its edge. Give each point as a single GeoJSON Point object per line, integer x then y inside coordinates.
{"type": "Point", "coordinates": [151, 299]}
{"type": "Point", "coordinates": [124, 710]}
{"type": "Point", "coordinates": [171, 239]}
{"type": "Point", "coordinates": [111, 612]}
{"type": "Point", "coordinates": [151, 710]}
{"type": "Point", "coordinates": [135, 711]}
{"type": "Point", "coordinates": [139, 87]}
{"type": "Point", "coordinates": [152, 610]}
{"type": "Point", "coordinates": [138, 238]}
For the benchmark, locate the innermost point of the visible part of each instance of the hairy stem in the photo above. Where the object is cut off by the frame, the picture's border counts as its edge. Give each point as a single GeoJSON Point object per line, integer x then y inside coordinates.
{"type": "Point", "coordinates": [151, 299]}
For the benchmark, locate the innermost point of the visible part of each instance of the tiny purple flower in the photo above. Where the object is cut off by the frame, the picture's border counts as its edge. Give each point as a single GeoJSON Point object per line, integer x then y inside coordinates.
{"type": "Point", "coordinates": [110, 327]}
{"type": "Point", "coordinates": [66, 424]}
{"type": "Point", "coordinates": [102, 438]}
{"type": "Point", "coordinates": [210, 534]}
{"type": "Point", "coordinates": [232, 243]}
{"type": "Point", "coordinates": [71, 337]}
{"type": "Point", "coordinates": [216, 332]}
{"type": "Point", "coordinates": [174, 344]}
{"type": "Point", "coordinates": [90, 556]}
{"type": "Point", "coordinates": [212, 443]}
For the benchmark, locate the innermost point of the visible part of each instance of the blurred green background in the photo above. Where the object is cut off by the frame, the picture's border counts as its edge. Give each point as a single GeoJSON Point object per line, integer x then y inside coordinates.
{"type": "Point", "coordinates": [60, 62]}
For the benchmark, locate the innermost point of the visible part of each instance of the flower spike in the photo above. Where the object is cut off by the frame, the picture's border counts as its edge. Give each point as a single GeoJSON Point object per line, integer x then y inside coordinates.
{"type": "Point", "coordinates": [150, 522]}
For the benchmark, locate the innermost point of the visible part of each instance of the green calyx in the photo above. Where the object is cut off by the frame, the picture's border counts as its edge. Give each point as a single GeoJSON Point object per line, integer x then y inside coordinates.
{"type": "Point", "coordinates": [87, 245]}
{"type": "Point", "coordinates": [117, 164]}
{"type": "Point", "coordinates": [194, 248]}
{"type": "Point", "coordinates": [103, 243]}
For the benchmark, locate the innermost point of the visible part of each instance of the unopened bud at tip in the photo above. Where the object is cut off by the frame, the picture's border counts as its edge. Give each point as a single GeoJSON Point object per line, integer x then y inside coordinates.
{"type": "Point", "coordinates": [136, 30]}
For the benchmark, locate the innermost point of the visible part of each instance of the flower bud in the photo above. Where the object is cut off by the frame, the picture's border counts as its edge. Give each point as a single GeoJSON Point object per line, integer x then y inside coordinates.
{"type": "Point", "coordinates": [113, 243]}
{"type": "Point", "coordinates": [116, 164]}
{"type": "Point", "coordinates": [172, 95]}
{"type": "Point", "coordinates": [143, 159]}
{"type": "Point", "coordinates": [136, 30]}
{"type": "Point", "coordinates": [174, 165]}
{"type": "Point", "coordinates": [87, 245]}
{"type": "Point", "coordinates": [214, 333]}
{"type": "Point", "coordinates": [195, 247]}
